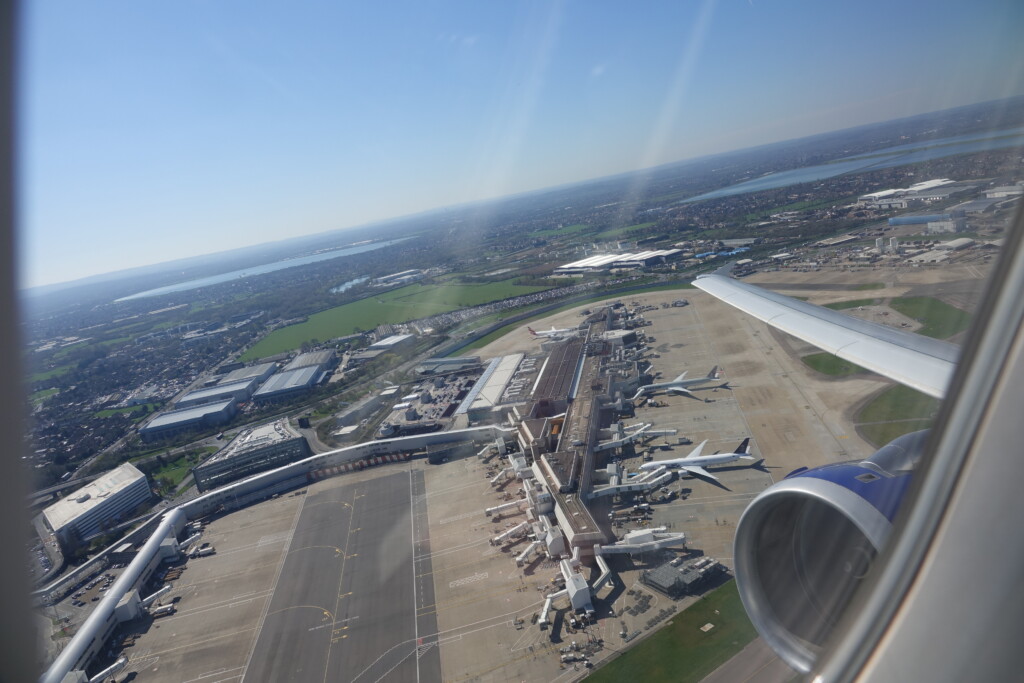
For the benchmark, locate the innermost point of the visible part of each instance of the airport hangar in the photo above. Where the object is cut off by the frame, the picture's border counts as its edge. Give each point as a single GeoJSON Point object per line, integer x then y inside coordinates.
{"type": "Point", "coordinates": [559, 429]}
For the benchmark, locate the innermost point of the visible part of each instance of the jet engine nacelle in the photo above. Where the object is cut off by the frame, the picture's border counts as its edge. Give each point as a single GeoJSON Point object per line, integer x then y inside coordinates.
{"type": "Point", "coordinates": [804, 545]}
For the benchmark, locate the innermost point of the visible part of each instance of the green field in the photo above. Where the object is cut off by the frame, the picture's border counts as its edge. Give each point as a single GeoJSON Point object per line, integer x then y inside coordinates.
{"type": "Point", "coordinates": [939, 319]}
{"type": "Point", "coordinates": [176, 470]}
{"type": "Point", "coordinates": [49, 374]}
{"type": "Point", "coordinates": [899, 403]}
{"type": "Point", "coordinates": [843, 305]}
{"type": "Point", "coordinates": [883, 432]}
{"type": "Point", "coordinates": [828, 364]}
{"type": "Point", "coordinates": [558, 232]}
{"type": "Point", "coordinates": [41, 395]}
{"type": "Point", "coordinates": [680, 651]}
{"type": "Point", "coordinates": [894, 412]}
{"type": "Point", "coordinates": [398, 305]}
{"type": "Point", "coordinates": [619, 232]}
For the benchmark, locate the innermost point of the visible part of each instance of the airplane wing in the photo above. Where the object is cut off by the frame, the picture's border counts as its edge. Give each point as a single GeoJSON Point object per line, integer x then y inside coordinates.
{"type": "Point", "coordinates": [677, 391]}
{"type": "Point", "coordinates": [695, 453]}
{"type": "Point", "coordinates": [918, 362]}
{"type": "Point", "coordinates": [699, 471]}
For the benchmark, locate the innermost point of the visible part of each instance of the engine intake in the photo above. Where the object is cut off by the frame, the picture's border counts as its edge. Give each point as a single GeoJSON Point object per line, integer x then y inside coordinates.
{"type": "Point", "coordinates": [804, 545]}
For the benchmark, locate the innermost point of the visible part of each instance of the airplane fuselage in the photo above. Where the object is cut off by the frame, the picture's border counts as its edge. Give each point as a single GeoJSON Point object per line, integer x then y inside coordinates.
{"type": "Point", "coordinates": [702, 461]}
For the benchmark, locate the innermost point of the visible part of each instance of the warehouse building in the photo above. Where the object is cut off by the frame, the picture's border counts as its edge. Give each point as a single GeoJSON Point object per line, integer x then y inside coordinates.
{"type": "Point", "coordinates": [289, 383]}
{"type": "Point", "coordinates": [253, 451]}
{"type": "Point", "coordinates": [262, 372]}
{"type": "Point", "coordinates": [237, 391]}
{"type": "Point", "coordinates": [438, 365]}
{"type": "Point", "coordinates": [394, 342]}
{"type": "Point", "coordinates": [323, 360]}
{"type": "Point", "coordinates": [946, 226]}
{"type": "Point", "coordinates": [178, 421]}
{"type": "Point", "coordinates": [628, 260]}
{"type": "Point", "coordinates": [98, 505]}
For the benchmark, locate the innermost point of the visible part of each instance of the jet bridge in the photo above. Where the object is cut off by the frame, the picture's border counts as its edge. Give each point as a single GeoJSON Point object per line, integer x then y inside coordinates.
{"type": "Point", "coordinates": [501, 474]}
{"type": "Point", "coordinates": [519, 502]}
{"type": "Point", "coordinates": [523, 556]}
{"type": "Point", "coordinates": [653, 480]}
{"type": "Point", "coordinates": [624, 438]}
{"type": "Point", "coordinates": [544, 622]}
{"type": "Point", "coordinates": [513, 532]}
{"type": "Point", "coordinates": [642, 541]}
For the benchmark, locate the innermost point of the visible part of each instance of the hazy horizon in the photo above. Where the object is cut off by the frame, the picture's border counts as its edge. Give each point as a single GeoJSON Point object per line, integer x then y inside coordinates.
{"type": "Point", "coordinates": [157, 134]}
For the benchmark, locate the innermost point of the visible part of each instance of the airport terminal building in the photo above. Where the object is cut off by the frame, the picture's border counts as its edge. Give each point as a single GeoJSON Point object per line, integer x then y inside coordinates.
{"type": "Point", "coordinates": [95, 506]}
{"type": "Point", "coordinates": [253, 451]}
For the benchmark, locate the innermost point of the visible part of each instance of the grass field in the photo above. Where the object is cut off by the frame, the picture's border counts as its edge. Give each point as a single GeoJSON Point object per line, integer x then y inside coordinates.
{"type": "Point", "coordinates": [502, 331]}
{"type": "Point", "coordinates": [399, 305]}
{"type": "Point", "coordinates": [939, 319]}
{"type": "Point", "coordinates": [843, 305]}
{"type": "Point", "coordinates": [176, 470]}
{"type": "Point", "coordinates": [680, 651]}
{"type": "Point", "coordinates": [883, 432]}
{"type": "Point", "coordinates": [830, 365]}
{"type": "Point", "coordinates": [558, 232]}
{"type": "Point", "coordinates": [899, 403]}
{"type": "Point", "coordinates": [41, 395]}
{"type": "Point", "coordinates": [48, 374]}
{"type": "Point", "coordinates": [618, 232]}
{"type": "Point", "coordinates": [896, 411]}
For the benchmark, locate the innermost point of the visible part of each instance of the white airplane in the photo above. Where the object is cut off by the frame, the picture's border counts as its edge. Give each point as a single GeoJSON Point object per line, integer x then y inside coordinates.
{"type": "Point", "coordinates": [679, 386]}
{"type": "Point", "coordinates": [694, 463]}
{"type": "Point", "coordinates": [552, 333]}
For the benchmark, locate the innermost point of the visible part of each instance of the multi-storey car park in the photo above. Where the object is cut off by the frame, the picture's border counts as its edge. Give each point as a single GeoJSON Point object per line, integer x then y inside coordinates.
{"type": "Point", "coordinates": [564, 502]}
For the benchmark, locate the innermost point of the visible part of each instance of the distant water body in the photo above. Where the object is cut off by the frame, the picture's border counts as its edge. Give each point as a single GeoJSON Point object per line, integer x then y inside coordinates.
{"type": "Point", "coordinates": [872, 161]}
{"type": "Point", "coordinates": [259, 270]}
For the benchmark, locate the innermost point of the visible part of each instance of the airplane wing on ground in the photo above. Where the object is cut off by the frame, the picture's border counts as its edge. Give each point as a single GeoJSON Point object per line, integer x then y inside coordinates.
{"type": "Point", "coordinates": [699, 471]}
{"type": "Point", "coordinates": [678, 391]}
{"type": "Point", "coordinates": [918, 362]}
{"type": "Point", "coordinates": [695, 453]}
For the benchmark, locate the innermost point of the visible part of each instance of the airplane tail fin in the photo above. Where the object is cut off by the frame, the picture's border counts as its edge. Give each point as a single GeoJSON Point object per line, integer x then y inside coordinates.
{"type": "Point", "coordinates": [532, 331]}
{"type": "Point", "coordinates": [744, 447]}
{"type": "Point", "coordinates": [714, 374]}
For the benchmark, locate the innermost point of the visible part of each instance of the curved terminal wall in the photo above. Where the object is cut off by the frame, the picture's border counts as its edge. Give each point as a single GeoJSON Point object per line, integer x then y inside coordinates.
{"type": "Point", "coordinates": [100, 624]}
{"type": "Point", "coordinates": [98, 627]}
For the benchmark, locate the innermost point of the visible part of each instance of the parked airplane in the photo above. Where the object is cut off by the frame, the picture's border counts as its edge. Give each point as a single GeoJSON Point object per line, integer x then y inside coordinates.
{"type": "Point", "coordinates": [679, 386]}
{"type": "Point", "coordinates": [552, 333]}
{"type": "Point", "coordinates": [694, 463]}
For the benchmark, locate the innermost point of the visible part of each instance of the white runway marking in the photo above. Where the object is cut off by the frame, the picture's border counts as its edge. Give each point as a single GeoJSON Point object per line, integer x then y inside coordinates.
{"type": "Point", "coordinates": [479, 576]}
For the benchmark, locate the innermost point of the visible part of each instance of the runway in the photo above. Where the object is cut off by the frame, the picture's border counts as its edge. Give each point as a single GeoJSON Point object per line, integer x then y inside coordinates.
{"type": "Point", "coordinates": [345, 602]}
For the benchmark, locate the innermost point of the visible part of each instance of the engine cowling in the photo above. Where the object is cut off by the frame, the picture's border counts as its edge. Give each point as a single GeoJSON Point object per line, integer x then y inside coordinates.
{"type": "Point", "coordinates": [805, 544]}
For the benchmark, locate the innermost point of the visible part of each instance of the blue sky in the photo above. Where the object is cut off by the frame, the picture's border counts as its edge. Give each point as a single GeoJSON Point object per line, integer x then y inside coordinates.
{"type": "Point", "coordinates": [157, 130]}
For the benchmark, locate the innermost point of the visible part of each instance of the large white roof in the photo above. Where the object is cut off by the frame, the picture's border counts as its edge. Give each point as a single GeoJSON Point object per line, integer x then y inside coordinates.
{"type": "Point", "coordinates": [601, 260]}
{"type": "Point", "coordinates": [64, 511]}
